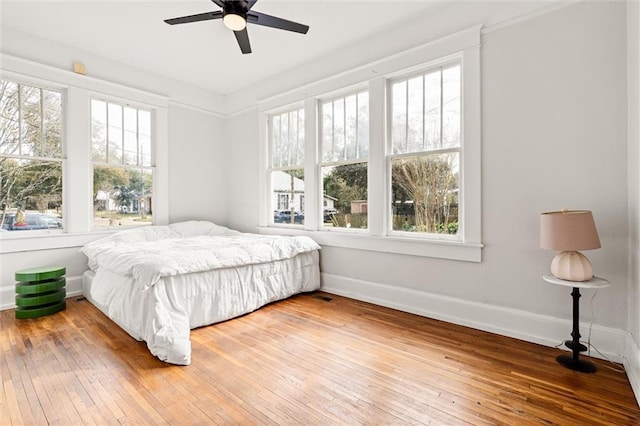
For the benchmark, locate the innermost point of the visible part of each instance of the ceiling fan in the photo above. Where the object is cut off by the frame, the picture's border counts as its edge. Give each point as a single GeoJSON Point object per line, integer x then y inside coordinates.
{"type": "Point", "coordinates": [236, 14]}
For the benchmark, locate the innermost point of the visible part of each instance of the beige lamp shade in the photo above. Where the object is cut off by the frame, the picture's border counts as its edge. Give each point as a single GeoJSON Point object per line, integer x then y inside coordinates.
{"type": "Point", "coordinates": [569, 231]}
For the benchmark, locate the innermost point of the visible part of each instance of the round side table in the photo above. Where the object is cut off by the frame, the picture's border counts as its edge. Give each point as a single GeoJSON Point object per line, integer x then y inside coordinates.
{"type": "Point", "coordinates": [574, 362]}
{"type": "Point", "coordinates": [40, 291]}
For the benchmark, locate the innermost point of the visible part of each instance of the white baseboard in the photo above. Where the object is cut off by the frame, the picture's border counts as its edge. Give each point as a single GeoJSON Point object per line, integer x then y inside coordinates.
{"type": "Point", "coordinates": [523, 325]}
{"type": "Point", "coordinates": [8, 293]}
{"type": "Point", "coordinates": [632, 365]}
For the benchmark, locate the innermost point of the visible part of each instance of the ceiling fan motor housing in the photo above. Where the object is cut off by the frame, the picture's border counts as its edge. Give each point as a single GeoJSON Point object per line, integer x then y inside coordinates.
{"type": "Point", "coordinates": [239, 8]}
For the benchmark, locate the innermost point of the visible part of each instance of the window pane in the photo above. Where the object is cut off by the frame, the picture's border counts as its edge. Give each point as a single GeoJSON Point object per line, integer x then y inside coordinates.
{"type": "Point", "coordinates": [31, 136]}
{"type": "Point", "coordinates": [451, 107]}
{"type": "Point", "coordinates": [276, 143]}
{"type": "Point", "coordinates": [425, 193]}
{"type": "Point", "coordinates": [351, 126]}
{"type": "Point", "coordinates": [30, 121]}
{"type": "Point", "coordinates": [327, 131]}
{"type": "Point", "coordinates": [293, 137]}
{"type": "Point", "coordinates": [144, 138]}
{"type": "Point", "coordinates": [432, 110]}
{"type": "Point", "coordinates": [415, 114]}
{"type": "Point", "coordinates": [98, 131]}
{"type": "Point", "coordinates": [122, 196]}
{"type": "Point", "coordinates": [338, 130]}
{"type": "Point", "coordinates": [31, 190]}
{"type": "Point", "coordinates": [399, 117]}
{"type": "Point", "coordinates": [363, 125]}
{"type": "Point", "coordinates": [345, 128]}
{"type": "Point", "coordinates": [426, 111]}
{"type": "Point", "coordinates": [144, 122]}
{"type": "Point", "coordinates": [345, 196]}
{"type": "Point", "coordinates": [130, 136]}
{"type": "Point", "coordinates": [300, 138]}
{"type": "Point", "coordinates": [145, 150]}
{"type": "Point", "coordinates": [52, 124]}
{"type": "Point", "coordinates": [114, 135]}
{"type": "Point", "coordinates": [287, 139]}
{"type": "Point", "coordinates": [284, 139]}
{"type": "Point", "coordinates": [9, 118]}
{"type": "Point", "coordinates": [288, 196]}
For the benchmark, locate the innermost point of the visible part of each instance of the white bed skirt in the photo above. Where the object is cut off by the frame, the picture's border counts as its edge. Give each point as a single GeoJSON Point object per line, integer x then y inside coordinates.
{"type": "Point", "coordinates": [163, 314]}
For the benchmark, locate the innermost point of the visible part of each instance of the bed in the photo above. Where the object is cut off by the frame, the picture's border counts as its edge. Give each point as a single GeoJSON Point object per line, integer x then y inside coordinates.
{"type": "Point", "coordinates": [159, 282]}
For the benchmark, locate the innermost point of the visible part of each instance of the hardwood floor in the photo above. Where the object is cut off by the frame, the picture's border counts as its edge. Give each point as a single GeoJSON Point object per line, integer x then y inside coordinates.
{"type": "Point", "coordinates": [306, 360]}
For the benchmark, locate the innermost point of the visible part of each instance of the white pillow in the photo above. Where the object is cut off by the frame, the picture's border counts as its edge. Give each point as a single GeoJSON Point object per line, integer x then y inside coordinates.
{"type": "Point", "coordinates": [193, 228]}
{"type": "Point", "coordinates": [186, 229]}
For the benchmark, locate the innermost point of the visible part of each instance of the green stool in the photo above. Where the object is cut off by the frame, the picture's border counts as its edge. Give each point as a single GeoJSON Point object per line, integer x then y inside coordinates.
{"type": "Point", "coordinates": [40, 291]}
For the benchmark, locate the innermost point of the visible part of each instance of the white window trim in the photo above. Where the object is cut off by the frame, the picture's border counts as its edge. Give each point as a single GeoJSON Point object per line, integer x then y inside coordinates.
{"type": "Point", "coordinates": [466, 45]}
{"type": "Point", "coordinates": [77, 92]}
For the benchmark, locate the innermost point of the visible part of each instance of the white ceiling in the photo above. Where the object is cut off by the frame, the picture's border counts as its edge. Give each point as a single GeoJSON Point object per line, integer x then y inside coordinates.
{"type": "Point", "coordinates": [206, 54]}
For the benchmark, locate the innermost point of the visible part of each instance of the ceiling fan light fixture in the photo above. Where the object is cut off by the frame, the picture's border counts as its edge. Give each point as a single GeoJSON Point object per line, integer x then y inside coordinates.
{"type": "Point", "coordinates": [234, 21]}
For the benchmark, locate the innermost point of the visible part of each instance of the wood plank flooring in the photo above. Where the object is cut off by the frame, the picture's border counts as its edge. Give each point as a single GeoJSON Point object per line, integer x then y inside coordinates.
{"type": "Point", "coordinates": [306, 360]}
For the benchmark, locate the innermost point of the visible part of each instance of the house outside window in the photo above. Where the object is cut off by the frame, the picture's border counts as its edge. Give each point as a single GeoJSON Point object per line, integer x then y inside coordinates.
{"type": "Point", "coordinates": [31, 157]}
{"type": "Point", "coordinates": [344, 136]}
{"type": "Point", "coordinates": [425, 138]}
{"type": "Point", "coordinates": [286, 136]}
{"type": "Point", "coordinates": [122, 165]}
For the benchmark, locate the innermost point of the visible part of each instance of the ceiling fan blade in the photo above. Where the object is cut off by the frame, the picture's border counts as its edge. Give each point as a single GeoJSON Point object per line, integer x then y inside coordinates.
{"type": "Point", "coordinates": [243, 41]}
{"type": "Point", "coordinates": [250, 4]}
{"type": "Point", "coordinates": [194, 18]}
{"type": "Point", "coordinates": [219, 3]}
{"type": "Point", "coordinates": [275, 22]}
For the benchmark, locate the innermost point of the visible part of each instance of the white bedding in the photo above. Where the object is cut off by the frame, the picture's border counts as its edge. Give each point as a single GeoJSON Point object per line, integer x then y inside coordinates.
{"type": "Point", "coordinates": [159, 282]}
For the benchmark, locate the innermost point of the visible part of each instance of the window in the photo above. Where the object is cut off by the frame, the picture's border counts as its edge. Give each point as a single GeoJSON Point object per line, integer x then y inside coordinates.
{"type": "Point", "coordinates": [425, 120]}
{"type": "Point", "coordinates": [30, 157]}
{"type": "Point", "coordinates": [345, 149]}
{"type": "Point", "coordinates": [392, 152]}
{"type": "Point", "coordinates": [122, 167]}
{"type": "Point", "coordinates": [287, 167]}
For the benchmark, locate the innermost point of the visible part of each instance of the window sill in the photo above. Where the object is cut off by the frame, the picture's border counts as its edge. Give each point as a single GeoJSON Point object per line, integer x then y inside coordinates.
{"type": "Point", "coordinates": [46, 240]}
{"type": "Point", "coordinates": [441, 249]}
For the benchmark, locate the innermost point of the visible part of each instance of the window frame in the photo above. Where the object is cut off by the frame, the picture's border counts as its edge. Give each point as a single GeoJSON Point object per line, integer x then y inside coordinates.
{"type": "Point", "coordinates": [464, 45]}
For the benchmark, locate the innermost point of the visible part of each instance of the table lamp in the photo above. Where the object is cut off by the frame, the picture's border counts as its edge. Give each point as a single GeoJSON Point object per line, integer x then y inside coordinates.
{"type": "Point", "coordinates": [569, 231]}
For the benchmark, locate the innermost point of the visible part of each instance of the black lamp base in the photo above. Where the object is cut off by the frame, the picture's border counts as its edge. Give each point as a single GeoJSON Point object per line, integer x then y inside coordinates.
{"type": "Point", "coordinates": [570, 344]}
{"type": "Point", "coordinates": [581, 365]}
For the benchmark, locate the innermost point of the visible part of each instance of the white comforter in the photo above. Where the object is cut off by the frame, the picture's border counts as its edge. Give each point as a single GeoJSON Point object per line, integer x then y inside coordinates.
{"type": "Point", "coordinates": [147, 262]}
{"type": "Point", "coordinates": [149, 280]}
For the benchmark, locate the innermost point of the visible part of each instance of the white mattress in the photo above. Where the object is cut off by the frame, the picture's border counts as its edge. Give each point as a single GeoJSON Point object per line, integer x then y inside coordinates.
{"type": "Point", "coordinates": [163, 314]}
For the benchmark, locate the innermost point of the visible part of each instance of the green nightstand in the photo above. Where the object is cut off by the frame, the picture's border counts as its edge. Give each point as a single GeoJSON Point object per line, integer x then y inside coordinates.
{"type": "Point", "coordinates": [40, 291]}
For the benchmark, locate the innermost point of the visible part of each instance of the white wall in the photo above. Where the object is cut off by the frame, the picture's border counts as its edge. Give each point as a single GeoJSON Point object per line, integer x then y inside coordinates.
{"type": "Point", "coordinates": [241, 134]}
{"type": "Point", "coordinates": [197, 166]}
{"type": "Point", "coordinates": [554, 136]}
